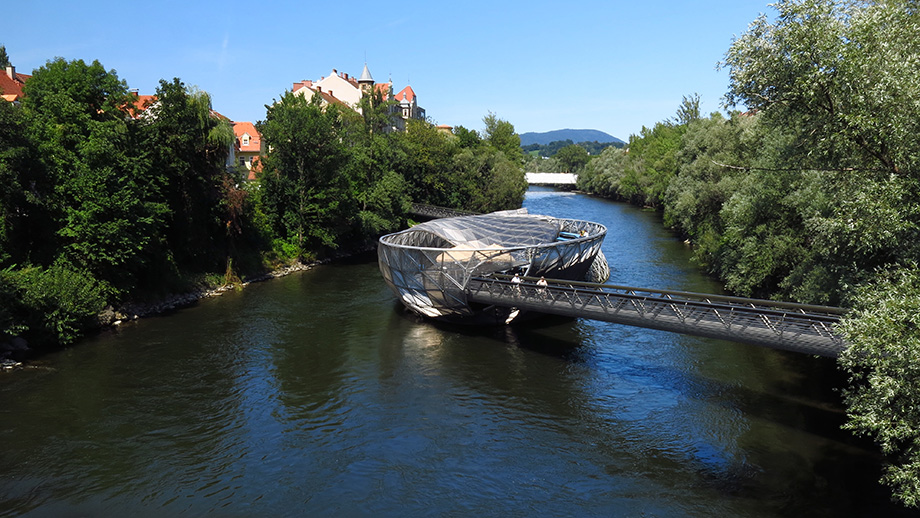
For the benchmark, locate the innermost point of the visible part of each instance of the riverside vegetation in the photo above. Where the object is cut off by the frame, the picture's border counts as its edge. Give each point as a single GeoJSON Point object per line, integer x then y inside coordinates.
{"type": "Point", "coordinates": [812, 194]}
{"type": "Point", "coordinates": [103, 204]}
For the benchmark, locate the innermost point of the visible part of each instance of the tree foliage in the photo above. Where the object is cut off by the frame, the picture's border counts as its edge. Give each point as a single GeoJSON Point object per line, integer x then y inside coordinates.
{"type": "Point", "coordinates": [188, 149]}
{"type": "Point", "coordinates": [500, 135]}
{"type": "Point", "coordinates": [573, 158]}
{"type": "Point", "coordinates": [883, 400]}
{"type": "Point", "coordinates": [840, 71]}
{"type": "Point", "coordinates": [305, 197]}
{"type": "Point", "coordinates": [99, 202]}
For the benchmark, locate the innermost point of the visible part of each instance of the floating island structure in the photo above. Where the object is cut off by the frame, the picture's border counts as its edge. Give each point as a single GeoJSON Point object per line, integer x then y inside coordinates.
{"type": "Point", "coordinates": [429, 265]}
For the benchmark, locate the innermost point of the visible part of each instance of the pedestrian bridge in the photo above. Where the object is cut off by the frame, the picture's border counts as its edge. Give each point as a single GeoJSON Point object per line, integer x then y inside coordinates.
{"type": "Point", "coordinates": [551, 178]}
{"type": "Point", "coordinates": [780, 325]}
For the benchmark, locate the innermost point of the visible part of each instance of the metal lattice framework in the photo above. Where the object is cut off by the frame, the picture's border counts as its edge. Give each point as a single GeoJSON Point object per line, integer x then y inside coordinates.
{"type": "Point", "coordinates": [781, 325]}
{"type": "Point", "coordinates": [429, 265]}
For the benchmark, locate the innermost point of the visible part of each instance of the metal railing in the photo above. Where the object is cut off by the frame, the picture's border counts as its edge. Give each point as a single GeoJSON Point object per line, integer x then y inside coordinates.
{"type": "Point", "coordinates": [781, 325]}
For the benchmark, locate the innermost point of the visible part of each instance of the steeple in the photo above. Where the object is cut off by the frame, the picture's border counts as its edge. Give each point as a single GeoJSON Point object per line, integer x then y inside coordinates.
{"type": "Point", "coordinates": [366, 76]}
{"type": "Point", "coordinates": [366, 83]}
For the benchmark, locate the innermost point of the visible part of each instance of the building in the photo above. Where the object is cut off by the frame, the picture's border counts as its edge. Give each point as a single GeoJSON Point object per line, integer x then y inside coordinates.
{"type": "Point", "coordinates": [346, 90]}
{"type": "Point", "coordinates": [247, 149]}
{"type": "Point", "coordinates": [11, 84]}
{"type": "Point", "coordinates": [408, 104]}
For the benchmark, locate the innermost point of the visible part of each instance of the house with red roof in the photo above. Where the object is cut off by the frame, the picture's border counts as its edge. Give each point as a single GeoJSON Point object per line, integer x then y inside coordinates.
{"type": "Point", "coordinates": [11, 84]}
{"type": "Point", "coordinates": [248, 149]}
{"type": "Point", "coordinates": [346, 90]}
{"type": "Point", "coordinates": [408, 104]}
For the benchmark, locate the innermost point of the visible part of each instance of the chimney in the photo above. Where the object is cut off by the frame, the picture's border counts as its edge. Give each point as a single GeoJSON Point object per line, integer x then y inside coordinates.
{"type": "Point", "coordinates": [11, 71]}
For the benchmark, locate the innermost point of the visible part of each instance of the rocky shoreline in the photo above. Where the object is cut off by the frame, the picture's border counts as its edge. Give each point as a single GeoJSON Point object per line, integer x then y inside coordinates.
{"type": "Point", "coordinates": [13, 354]}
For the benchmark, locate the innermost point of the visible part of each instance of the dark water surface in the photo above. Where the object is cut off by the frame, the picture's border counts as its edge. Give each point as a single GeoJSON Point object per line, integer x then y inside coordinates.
{"type": "Point", "coordinates": [317, 395]}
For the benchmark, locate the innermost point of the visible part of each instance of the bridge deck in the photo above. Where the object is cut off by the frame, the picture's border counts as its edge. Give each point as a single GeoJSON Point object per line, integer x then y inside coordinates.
{"type": "Point", "coordinates": [780, 325]}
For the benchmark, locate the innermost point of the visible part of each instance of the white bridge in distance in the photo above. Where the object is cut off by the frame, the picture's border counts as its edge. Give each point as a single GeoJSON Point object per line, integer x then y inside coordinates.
{"type": "Point", "coordinates": [551, 178]}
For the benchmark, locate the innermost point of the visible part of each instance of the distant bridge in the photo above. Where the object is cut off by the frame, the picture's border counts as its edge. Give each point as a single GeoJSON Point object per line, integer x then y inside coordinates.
{"type": "Point", "coordinates": [779, 325]}
{"type": "Point", "coordinates": [551, 178]}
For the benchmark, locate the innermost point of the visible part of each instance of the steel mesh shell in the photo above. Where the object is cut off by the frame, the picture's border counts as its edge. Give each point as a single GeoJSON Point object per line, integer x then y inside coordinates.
{"type": "Point", "coordinates": [429, 265]}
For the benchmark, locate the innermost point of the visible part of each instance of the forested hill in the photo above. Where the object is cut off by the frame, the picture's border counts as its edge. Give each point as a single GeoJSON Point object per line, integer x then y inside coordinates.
{"type": "Point", "coordinates": [575, 135]}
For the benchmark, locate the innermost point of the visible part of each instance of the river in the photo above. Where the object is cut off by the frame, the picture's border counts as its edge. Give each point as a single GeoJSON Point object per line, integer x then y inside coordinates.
{"type": "Point", "coordinates": [317, 395]}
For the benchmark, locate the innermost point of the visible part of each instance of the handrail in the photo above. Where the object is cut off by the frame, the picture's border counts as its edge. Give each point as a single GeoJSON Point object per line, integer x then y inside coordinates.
{"type": "Point", "coordinates": [789, 327]}
{"type": "Point", "coordinates": [831, 310]}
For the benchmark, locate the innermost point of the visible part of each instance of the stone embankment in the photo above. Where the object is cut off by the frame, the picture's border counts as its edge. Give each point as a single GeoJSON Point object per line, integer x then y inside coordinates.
{"type": "Point", "coordinates": [13, 352]}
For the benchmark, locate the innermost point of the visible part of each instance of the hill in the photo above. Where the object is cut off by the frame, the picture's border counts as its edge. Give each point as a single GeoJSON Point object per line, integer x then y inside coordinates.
{"type": "Point", "coordinates": [575, 135]}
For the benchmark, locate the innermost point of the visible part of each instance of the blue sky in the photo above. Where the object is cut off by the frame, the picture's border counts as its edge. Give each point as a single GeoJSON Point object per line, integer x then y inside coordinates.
{"type": "Point", "coordinates": [613, 66]}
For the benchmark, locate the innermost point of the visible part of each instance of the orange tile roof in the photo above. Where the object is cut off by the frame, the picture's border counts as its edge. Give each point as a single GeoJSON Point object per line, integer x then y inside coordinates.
{"type": "Point", "coordinates": [12, 85]}
{"type": "Point", "coordinates": [140, 105]}
{"type": "Point", "coordinates": [406, 93]}
{"type": "Point", "coordinates": [255, 139]}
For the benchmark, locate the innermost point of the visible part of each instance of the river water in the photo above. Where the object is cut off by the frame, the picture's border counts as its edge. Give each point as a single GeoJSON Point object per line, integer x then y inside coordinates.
{"type": "Point", "coordinates": [318, 395]}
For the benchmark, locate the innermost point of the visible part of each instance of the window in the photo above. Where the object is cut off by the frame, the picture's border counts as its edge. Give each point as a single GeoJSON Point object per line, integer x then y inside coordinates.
{"type": "Point", "coordinates": [245, 140]}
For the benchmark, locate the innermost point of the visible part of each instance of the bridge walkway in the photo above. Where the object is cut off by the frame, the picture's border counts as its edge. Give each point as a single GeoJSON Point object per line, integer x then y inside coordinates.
{"type": "Point", "coordinates": [780, 325]}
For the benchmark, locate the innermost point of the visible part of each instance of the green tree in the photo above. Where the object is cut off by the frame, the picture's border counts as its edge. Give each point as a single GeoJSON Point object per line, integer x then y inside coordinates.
{"type": "Point", "coordinates": [688, 111]}
{"type": "Point", "coordinates": [604, 174]}
{"type": "Point", "coordinates": [429, 162]}
{"type": "Point", "coordinates": [839, 71]}
{"type": "Point", "coordinates": [501, 136]}
{"type": "Point", "coordinates": [651, 164]}
{"type": "Point", "coordinates": [573, 158]}
{"type": "Point", "coordinates": [487, 180]}
{"type": "Point", "coordinates": [883, 399]}
{"type": "Point", "coordinates": [103, 216]}
{"type": "Point", "coordinates": [837, 200]}
{"type": "Point", "coordinates": [380, 192]}
{"type": "Point", "coordinates": [188, 147]}
{"type": "Point", "coordinates": [4, 58]}
{"type": "Point", "coordinates": [25, 226]}
{"type": "Point", "coordinates": [707, 178]}
{"type": "Point", "coordinates": [305, 198]}
{"type": "Point", "coordinates": [468, 138]}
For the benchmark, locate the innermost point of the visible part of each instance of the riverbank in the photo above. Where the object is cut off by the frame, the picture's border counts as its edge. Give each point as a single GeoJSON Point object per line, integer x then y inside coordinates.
{"type": "Point", "coordinates": [17, 352]}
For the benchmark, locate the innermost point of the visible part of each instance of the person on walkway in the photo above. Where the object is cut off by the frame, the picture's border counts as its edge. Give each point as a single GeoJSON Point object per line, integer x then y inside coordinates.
{"type": "Point", "coordinates": [516, 281]}
{"type": "Point", "coordinates": [541, 287]}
